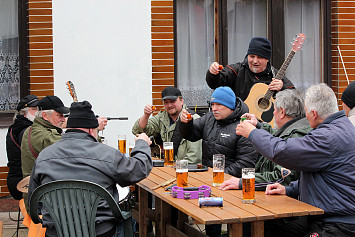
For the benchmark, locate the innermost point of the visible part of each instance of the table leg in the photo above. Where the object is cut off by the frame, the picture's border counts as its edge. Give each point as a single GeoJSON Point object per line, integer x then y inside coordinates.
{"type": "Point", "coordinates": [257, 229]}
{"type": "Point", "coordinates": [157, 213]}
{"type": "Point", "coordinates": [182, 219]}
{"type": "Point", "coordinates": [165, 215]}
{"type": "Point", "coordinates": [143, 211]}
{"type": "Point", "coordinates": [235, 230]}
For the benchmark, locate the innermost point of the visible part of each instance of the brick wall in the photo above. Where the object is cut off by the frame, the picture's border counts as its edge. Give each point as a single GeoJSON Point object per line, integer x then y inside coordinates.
{"type": "Point", "coordinates": [343, 31]}
{"type": "Point", "coordinates": [3, 187]}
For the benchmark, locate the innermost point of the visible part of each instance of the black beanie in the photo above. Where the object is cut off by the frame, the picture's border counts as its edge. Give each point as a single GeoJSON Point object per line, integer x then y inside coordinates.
{"type": "Point", "coordinates": [348, 96]}
{"type": "Point", "coordinates": [260, 46]}
{"type": "Point", "coordinates": [81, 116]}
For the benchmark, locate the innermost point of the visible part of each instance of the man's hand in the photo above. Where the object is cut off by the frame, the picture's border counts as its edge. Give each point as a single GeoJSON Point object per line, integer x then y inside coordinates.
{"type": "Point", "coordinates": [244, 128]}
{"type": "Point", "coordinates": [275, 188]}
{"type": "Point", "coordinates": [276, 85]}
{"type": "Point", "coordinates": [214, 68]}
{"type": "Point", "coordinates": [232, 183]}
{"type": "Point", "coordinates": [144, 137]}
{"type": "Point", "coordinates": [183, 116]}
{"type": "Point", "coordinates": [148, 110]}
{"type": "Point", "coordinates": [102, 123]}
{"type": "Point", "coordinates": [251, 118]}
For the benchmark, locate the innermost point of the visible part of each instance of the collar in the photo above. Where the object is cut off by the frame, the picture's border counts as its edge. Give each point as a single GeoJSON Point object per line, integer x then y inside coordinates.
{"type": "Point", "coordinates": [333, 117]}
{"type": "Point", "coordinates": [47, 124]}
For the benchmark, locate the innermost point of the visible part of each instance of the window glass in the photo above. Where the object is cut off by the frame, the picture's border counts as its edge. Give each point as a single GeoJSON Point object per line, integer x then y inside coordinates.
{"type": "Point", "coordinates": [195, 49]}
{"type": "Point", "coordinates": [303, 16]}
{"type": "Point", "coordinates": [9, 55]}
{"type": "Point", "coordinates": [245, 19]}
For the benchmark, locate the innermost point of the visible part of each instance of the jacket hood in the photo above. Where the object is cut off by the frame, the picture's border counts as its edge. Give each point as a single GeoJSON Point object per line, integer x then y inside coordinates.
{"type": "Point", "coordinates": [266, 71]}
{"type": "Point", "coordinates": [240, 109]}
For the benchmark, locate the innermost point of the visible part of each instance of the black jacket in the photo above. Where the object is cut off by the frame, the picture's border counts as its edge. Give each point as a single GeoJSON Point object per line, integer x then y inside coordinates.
{"type": "Point", "coordinates": [219, 137]}
{"type": "Point", "coordinates": [240, 79]}
{"type": "Point", "coordinates": [13, 149]}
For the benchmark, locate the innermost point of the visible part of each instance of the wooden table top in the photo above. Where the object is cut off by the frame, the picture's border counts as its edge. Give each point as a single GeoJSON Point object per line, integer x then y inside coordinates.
{"type": "Point", "coordinates": [266, 207]}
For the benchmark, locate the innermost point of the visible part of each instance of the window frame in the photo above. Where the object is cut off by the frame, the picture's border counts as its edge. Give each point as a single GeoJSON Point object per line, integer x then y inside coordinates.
{"type": "Point", "coordinates": [6, 117]}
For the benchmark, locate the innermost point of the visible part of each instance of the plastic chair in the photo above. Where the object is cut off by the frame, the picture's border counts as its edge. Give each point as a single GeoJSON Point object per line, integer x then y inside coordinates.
{"type": "Point", "coordinates": [72, 205]}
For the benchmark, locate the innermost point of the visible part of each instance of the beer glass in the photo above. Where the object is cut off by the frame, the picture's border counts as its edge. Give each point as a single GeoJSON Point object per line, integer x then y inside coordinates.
{"type": "Point", "coordinates": [248, 181]}
{"type": "Point", "coordinates": [182, 168]}
{"type": "Point", "coordinates": [130, 148]}
{"type": "Point", "coordinates": [168, 153]}
{"type": "Point", "coordinates": [188, 116]}
{"type": "Point", "coordinates": [122, 143]}
{"type": "Point", "coordinates": [218, 169]}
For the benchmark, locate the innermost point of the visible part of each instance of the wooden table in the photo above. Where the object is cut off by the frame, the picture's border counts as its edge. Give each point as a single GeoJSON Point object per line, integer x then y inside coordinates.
{"type": "Point", "coordinates": [234, 212]}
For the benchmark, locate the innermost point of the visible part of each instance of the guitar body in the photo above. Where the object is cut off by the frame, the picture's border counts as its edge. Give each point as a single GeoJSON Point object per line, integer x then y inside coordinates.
{"type": "Point", "coordinates": [262, 108]}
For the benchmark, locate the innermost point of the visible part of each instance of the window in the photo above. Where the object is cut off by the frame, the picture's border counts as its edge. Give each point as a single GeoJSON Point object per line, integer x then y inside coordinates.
{"type": "Point", "coordinates": [198, 43]}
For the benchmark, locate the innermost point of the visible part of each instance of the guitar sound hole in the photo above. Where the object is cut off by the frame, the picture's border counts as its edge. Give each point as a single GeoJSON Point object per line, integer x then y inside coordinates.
{"type": "Point", "coordinates": [263, 103]}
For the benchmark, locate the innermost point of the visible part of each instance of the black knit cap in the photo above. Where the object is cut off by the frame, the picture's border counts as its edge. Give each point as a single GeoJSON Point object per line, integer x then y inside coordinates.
{"type": "Point", "coordinates": [348, 96]}
{"type": "Point", "coordinates": [27, 101]}
{"type": "Point", "coordinates": [52, 102]}
{"type": "Point", "coordinates": [81, 116]}
{"type": "Point", "coordinates": [260, 46]}
{"type": "Point", "coordinates": [170, 93]}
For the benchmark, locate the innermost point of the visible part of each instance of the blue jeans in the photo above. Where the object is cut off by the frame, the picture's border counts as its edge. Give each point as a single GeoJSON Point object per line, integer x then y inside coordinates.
{"type": "Point", "coordinates": [120, 228]}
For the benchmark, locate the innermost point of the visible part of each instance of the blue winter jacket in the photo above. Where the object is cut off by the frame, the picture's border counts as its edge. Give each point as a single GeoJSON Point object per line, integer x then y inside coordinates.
{"type": "Point", "coordinates": [326, 159]}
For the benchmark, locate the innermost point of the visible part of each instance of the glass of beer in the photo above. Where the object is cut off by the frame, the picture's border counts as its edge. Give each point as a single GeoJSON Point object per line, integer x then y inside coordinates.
{"type": "Point", "coordinates": [248, 181]}
{"type": "Point", "coordinates": [168, 154]}
{"type": "Point", "coordinates": [130, 148]}
{"type": "Point", "coordinates": [122, 143]}
{"type": "Point", "coordinates": [218, 169]}
{"type": "Point", "coordinates": [182, 169]}
{"type": "Point", "coordinates": [188, 116]}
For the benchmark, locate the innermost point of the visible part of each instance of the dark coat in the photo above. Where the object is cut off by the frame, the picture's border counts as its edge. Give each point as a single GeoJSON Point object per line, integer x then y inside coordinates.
{"type": "Point", "coordinates": [219, 137]}
{"type": "Point", "coordinates": [240, 78]}
{"type": "Point", "coordinates": [13, 149]}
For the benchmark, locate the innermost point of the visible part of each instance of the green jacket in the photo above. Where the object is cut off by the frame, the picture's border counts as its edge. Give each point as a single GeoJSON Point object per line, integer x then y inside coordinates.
{"type": "Point", "coordinates": [43, 134]}
{"type": "Point", "coordinates": [268, 171]}
{"type": "Point", "coordinates": [160, 124]}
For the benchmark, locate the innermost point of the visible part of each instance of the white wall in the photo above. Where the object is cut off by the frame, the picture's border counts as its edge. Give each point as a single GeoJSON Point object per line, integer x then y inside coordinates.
{"type": "Point", "coordinates": [104, 48]}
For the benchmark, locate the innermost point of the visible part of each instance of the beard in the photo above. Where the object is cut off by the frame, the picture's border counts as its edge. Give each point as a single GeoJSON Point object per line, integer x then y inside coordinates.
{"type": "Point", "coordinates": [255, 70]}
{"type": "Point", "coordinates": [30, 117]}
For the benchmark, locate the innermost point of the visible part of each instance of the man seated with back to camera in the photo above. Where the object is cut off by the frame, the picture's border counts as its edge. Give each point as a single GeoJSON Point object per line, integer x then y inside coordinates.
{"type": "Point", "coordinates": [325, 158]}
{"type": "Point", "coordinates": [290, 122]}
{"type": "Point", "coordinates": [78, 155]}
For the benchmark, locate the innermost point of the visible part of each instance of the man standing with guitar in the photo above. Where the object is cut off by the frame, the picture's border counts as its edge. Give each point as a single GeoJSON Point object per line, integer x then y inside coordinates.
{"type": "Point", "coordinates": [255, 68]}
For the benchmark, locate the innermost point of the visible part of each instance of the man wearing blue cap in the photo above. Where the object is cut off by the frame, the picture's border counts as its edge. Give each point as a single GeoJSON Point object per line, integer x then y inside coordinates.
{"type": "Point", "coordinates": [255, 68]}
{"type": "Point", "coordinates": [217, 131]}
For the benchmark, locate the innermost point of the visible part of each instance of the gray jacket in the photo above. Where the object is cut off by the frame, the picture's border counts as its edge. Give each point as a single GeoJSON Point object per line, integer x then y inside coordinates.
{"type": "Point", "coordinates": [79, 156]}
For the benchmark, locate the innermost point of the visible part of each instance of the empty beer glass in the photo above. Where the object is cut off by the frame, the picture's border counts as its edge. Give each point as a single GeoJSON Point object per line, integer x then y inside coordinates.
{"type": "Point", "coordinates": [182, 169]}
{"type": "Point", "coordinates": [218, 169]}
{"type": "Point", "coordinates": [248, 181]}
{"type": "Point", "coordinates": [122, 143]}
{"type": "Point", "coordinates": [168, 153]}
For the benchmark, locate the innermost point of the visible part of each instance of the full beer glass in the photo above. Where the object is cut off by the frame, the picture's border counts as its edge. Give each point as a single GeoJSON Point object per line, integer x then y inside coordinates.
{"type": "Point", "coordinates": [130, 148]}
{"type": "Point", "coordinates": [248, 181]}
{"type": "Point", "coordinates": [168, 153]}
{"type": "Point", "coordinates": [182, 169]}
{"type": "Point", "coordinates": [218, 169]}
{"type": "Point", "coordinates": [122, 143]}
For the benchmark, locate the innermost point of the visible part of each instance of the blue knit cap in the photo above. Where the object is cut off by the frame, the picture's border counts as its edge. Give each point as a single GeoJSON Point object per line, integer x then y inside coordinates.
{"type": "Point", "coordinates": [225, 96]}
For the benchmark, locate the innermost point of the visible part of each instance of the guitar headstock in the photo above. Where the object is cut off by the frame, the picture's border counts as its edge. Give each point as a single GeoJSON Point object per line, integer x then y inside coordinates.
{"type": "Point", "coordinates": [72, 92]}
{"type": "Point", "coordinates": [297, 44]}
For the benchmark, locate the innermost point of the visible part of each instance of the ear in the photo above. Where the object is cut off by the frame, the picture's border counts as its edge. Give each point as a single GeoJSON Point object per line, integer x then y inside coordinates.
{"type": "Point", "coordinates": [282, 113]}
{"type": "Point", "coordinates": [315, 115]}
{"type": "Point", "coordinates": [45, 116]}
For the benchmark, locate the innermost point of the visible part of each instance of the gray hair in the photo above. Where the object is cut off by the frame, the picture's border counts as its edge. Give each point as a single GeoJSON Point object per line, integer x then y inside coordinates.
{"type": "Point", "coordinates": [322, 99]}
{"type": "Point", "coordinates": [39, 113]}
{"type": "Point", "coordinates": [291, 101]}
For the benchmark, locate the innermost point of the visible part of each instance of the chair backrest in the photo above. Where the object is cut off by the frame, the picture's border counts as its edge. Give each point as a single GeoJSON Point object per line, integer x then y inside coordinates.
{"type": "Point", "coordinates": [72, 205]}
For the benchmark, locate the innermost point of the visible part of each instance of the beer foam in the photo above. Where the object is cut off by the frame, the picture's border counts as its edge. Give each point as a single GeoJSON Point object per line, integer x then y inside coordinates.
{"type": "Point", "coordinates": [248, 176]}
{"type": "Point", "coordinates": [182, 170]}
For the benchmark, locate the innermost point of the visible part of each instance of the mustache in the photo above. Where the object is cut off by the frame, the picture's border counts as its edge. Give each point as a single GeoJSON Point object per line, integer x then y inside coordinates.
{"type": "Point", "coordinates": [216, 112]}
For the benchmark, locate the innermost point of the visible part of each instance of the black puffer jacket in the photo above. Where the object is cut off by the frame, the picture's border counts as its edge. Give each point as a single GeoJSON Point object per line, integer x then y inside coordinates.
{"type": "Point", "coordinates": [13, 145]}
{"type": "Point", "coordinates": [240, 79]}
{"type": "Point", "coordinates": [219, 137]}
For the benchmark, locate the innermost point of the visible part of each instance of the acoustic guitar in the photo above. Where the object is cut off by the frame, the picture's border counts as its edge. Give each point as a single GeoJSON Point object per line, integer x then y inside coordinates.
{"type": "Point", "coordinates": [260, 101]}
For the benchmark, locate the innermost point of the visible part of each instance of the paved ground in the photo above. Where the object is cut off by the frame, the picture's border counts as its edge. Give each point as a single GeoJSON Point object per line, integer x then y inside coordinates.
{"type": "Point", "coordinates": [10, 225]}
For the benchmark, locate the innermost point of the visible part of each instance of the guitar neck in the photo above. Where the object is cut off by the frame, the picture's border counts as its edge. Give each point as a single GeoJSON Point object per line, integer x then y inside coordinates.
{"type": "Point", "coordinates": [281, 73]}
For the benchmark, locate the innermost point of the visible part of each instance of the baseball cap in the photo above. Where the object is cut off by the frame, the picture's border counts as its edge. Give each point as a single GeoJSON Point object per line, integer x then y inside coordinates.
{"type": "Point", "coordinates": [170, 93]}
{"type": "Point", "coordinates": [53, 102]}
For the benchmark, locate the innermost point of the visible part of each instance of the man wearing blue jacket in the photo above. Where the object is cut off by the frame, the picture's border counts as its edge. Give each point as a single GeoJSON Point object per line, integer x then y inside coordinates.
{"type": "Point", "coordinates": [326, 159]}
